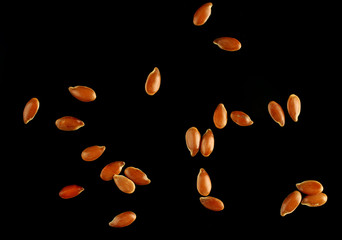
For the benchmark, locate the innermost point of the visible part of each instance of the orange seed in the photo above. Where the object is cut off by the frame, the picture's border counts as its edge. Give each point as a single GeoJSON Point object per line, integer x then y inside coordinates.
{"type": "Point", "coordinates": [83, 93]}
{"type": "Point", "coordinates": [153, 81]}
{"type": "Point", "coordinates": [241, 118]}
{"type": "Point", "coordinates": [203, 183]}
{"type": "Point", "coordinates": [228, 43]}
{"type": "Point", "coordinates": [69, 123]}
{"type": "Point", "coordinates": [310, 187]}
{"type": "Point", "coordinates": [220, 116]}
{"type": "Point", "coordinates": [276, 112]}
{"type": "Point", "coordinates": [92, 153]}
{"type": "Point", "coordinates": [207, 143]}
{"type": "Point", "coordinates": [193, 140]}
{"type": "Point", "coordinates": [316, 200]}
{"type": "Point", "coordinates": [30, 110]}
{"type": "Point", "coordinates": [294, 107]}
{"type": "Point", "coordinates": [111, 169]}
{"type": "Point", "coordinates": [212, 203]}
{"type": "Point", "coordinates": [123, 219]}
{"type": "Point", "coordinates": [202, 14]}
{"type": "Point", "coordinates": [125, 184]}
{"type": "Point", "coordinates": [290, 203]}
{"type": "Point", "coordinates": [70, 191]}
{"type": "Point", "coordinates": [137, 176]}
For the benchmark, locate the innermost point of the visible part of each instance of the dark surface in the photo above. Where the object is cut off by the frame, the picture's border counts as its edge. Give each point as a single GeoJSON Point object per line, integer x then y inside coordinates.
{"type": "Point", "coordinates": [112, 48]}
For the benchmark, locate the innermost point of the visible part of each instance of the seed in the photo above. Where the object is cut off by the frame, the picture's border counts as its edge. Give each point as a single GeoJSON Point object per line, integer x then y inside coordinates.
{"type": "Point", "coordinates": [153, 80]}
{"type": "Point", "coordinates": [193, 140]}
{"type": "Point", "coordinates": [69, 123]}
{"type": "Point", "coordinates": [290, 203]}
{"type": "Point", "coordinates": [123, 219]}
{"type": "Point", "coordinates": [241, 118]}
{"type": "Point", "coordinates": [203, 183]}
{"type": "Point", "coordinates": [125, 184]}
{"type": "Point", "coordinates": [310, 187]}
{"type": "Point", "coordinates": [207, 143]}
{"type": "Point", "coordinates": [92, 153]}
{"type": "Point", "coordinates": [277, 113]}
{"type": "Point", "coordinates": [137, 176]}
{"type": "Point", "coordinates": [212, 203]}
{"type": "Point", "coordinates": [83, 93]}
{"type": "Point", "coordinates": [294, 107]}
{"type": "Point", "coordinates": [30, 110]}
{"type": "Point", "coordinates": [228, 43]}
{"type": "Point", "coordinates": [316, 200]}
{"type": "Point", "coordinates": [111, 169]}
{"type": "Point", "coordinates": [220, 116]}
{"type": "Point", "coordinates": [202, 14]}
{"type": "Point", "coordinates": [70, 191]}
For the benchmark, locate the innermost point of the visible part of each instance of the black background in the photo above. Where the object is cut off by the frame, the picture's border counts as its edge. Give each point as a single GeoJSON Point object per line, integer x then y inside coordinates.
{"type": "Point", "coordinates": [286, 48]}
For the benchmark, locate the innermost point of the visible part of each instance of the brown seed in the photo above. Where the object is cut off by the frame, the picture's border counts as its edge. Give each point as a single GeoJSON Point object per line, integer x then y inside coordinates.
{"type": "Point", "coordinates": [220, 116]}
{"type": "Point", "coordinates": [123, 219]}
{"type": "Point", "coordinates": [203, 183]}
{"type": "Point", "coordinates": [137, 176]}
{"type": "Point", "coordinates": [212, 203]}
{"type": "Point", "coordinates": [294, 107]}
{"type": "Point", "coordinates": [153, 80]}
{"type": "Point", "coordinates": [202, 14]}
{"type": "Point", "coordinates": [228, 43]}
{"type": "Point", "coordinates": [193, 140]}
{"type": "Point", "coordinates": [290, 203]}
{"type": "Point", "coordinates": [92, 153]}
{"type": "Point", "coordinates": [69, 123]}
{"type": "Point", "coordinates": [241, 118]}
{"type": "Point", "coordinates": [111, 169]}
{"type": "Point", "coordinates": [316, 200]}
{"type": "Point", "coordinates": [207, 143]}
{"type": "Point", "coordinates": [276, 112]}
{"type": "Point", "coordinates": [125, 184]}
{"type": "Point", "coordinates": [83, 93]}
{"type": "Point", "coordinates": [310, 187]}
{"type": "Point", "coordinates": [70, 191]}
{"type": "Point", "coordinates": [30, 110]}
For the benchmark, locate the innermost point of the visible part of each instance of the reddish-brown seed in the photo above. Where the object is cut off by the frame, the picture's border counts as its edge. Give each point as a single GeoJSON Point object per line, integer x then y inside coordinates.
{"type": "Point", "coordinates": [92, 153]}
{"type": "Point", "coordinates": [153, 81]}
{"type": "Point", "coordinates": [111, 169]}
{"type": "Point", "coordinates": [220, 116]}
{"type": "Point", "coordinates": [290, 203]}
{"type": "Point", "coordinates": [276, 112]}
{"type": "Point", "coordinates": [310, 187]}
{"type": "Point", "coordinates": [241, 118]}
{"type": "Point", "coordinates": [69, 123]}
{"type": "Point", "coordinates": [125, 184]}
{"type": "Point", "coordinates": [202, 14]}
{"type": "Point", "coordinates": [207, 143]}
{"type": "Point", "coordinates": [123, 219]}
{"type": "Point", "coordinates": [294, 107]}
{"type": "Point", "coordinates": [137, 176]}
{"type": "Point", "coordinates": [83, 93]}
{"type": "Point", "coordinates": [316, 200]}
{"type": "Point", "coordinates": [228, 43]}
{"type": "Point", "coordinates": [203, 183]}
{"type": "Point", "coordinates": [70, 191]}
{"type": "Point", "coordinates": [212, 203]}
{"type": "Point", "coordinates": [193, 140]}
{"type": "Point", "coordinates": [30, 110]}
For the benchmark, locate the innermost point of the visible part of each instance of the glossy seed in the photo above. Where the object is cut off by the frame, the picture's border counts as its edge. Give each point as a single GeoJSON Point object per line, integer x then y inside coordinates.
{"type": "Point", "coordinates": [290, 203]}
{"type": "Point", "coordinates": [30, 110]}
{"type": "Point", "coordinates": [137, 176]}
{"type": "Point", "coordinates": [212, 203]}
{"type": "Point", "coordinates": [310, 187]}
{"type": "Point", "coordinates": [125, 184]}
{"type": "Point", "coordinates": [70, 191]}
{"type": "Point", "coordinates": [69, 123]}
{"type": "Point", "coordinates": [276, 112]}
{"type": "Point", "coordinates": [111, 169]}
{"type": "Point", "coordinates": [316, 200]}
{"type": "Point", "coordinates": [294, 107]}
{"type": "Point", "coordinates": [202, 14]}
{"type": "Point", "coordinates": [193, 140]}
{"type": "Point", "coordinates": [92, 153]}
{"type": "Point", "coordinates": [123, 219]}
{"type": "Point", "coordinates": [207, 143]}
{"type": "Point", "coordinates": [83, 93]}
{"type": "Point", "coordinates": [220, 116]}
{"type": "Point", "coordinates": [241, 118]}
{"type": "Point", "coordinates": [203, 183]}
{"type": "Point", "coordinates": [228, 43]}
{"type": "Point", "coordinates": [153, 81]}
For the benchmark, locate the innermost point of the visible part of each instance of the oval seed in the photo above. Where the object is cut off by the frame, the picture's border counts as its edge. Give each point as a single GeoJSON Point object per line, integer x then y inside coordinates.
{"type": "Point", "coordinates": [193, 140]}
{"type": "Point", "coordinates": [212, 203]}
{"type": "Point", "coordinates": [220, 116]}
{"type": "Point", "coordinates": [228, 43]}
{"type": "Point", "coordinates": [137, 176]}
{"type": "Point", "coordinates": [203, 183]}
{"type": "Point", "coordinates": [310, 187]}
{"type": "Point", "coordinates": [316, 200]}
{"type": "Point", "coordinates": [111, 169]}
{"type": "Point", "coordinates": [152, 83]}
{"type": "Point", "coordinates": [92, 153]}
{"type": "Point", "coordinates": [69, 123]}
{"type": "Point", "coordinates": [125, 184]}
{"type": "Point", "coordinates": [276, 112]}
{"type": "Point", "coordinates": [30, 110]}
{"type": "Point", "coordinates": [83, 93]}
{"type": "Point", "coordinates": [202, 14]}
{"type": "Point", "coordinates": [241, 118]}
{"type": "Point", "coordinates": [70, 191]}
{"type": "Point", "coordinates": [290, 203]}
{"type": "Point", "coordinates": [207, 143]}
{"type": "Point", "coordinates": [123, 219]}
{"type": "Point", "coordinates": [294, 107]}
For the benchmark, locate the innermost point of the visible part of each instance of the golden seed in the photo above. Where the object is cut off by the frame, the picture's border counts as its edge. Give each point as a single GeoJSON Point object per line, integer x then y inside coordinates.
{"type": "Point", "coordinates": [125, 184]}
{"type": "Point", "coordinates": [316, 200]}
{"type": "Point", "coordinates": [193, 140]}
{"type": "Point", "coordinates": [83, 93]}
{"type": "Point", "coordinates": [70, 191]}
{"type": "Point", "coordinates": [153, 81]}
{"type": "Point", "coordinates": [228, 43]}
{"type": "Point", "coordinates": [310, 187]}
{"type": "Point", "coordinates": [202, 14]}
{"type": "Point", "coordinates": [30, 110]}
{"type": "Point", "coordinates": [276, 112]}
{"type": "Point", "coordinates": [290, 203]}
{"type": "Point", "coordinates": [92, 153]}
{"type": "Point", "coordinates": [203, 183]}
{"type": "Point", "coordinates": [212, 203]}
{"type": "Point", "coordinates": [241, 118]}
{"type": "Point", "coordinates": [69, 123]}
{"type": "Point", "coordinates": [137, 176]}
{"type": "Point", "coordinates": [207, 143]}
{"type": "Point", "coordinates": [220, 116]}
{"type": "Point", "coordinates": [294, 107]}
{"type": "Point", "coordinates": [123, 219]}
{"type": "Point", "coordinates": [111, 169]}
